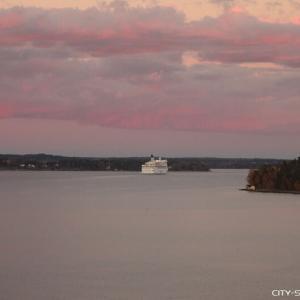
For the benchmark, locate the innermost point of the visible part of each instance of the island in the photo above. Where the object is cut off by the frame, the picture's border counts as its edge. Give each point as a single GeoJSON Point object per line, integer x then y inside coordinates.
{"type": "Point", "coordinates": [48, 162]}
{"type": "Point", "coordinates": [280, 178]}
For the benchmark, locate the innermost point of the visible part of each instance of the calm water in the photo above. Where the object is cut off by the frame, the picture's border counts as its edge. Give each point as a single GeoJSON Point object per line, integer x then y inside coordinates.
{"type": "Point", "coordinates": [86, 236]}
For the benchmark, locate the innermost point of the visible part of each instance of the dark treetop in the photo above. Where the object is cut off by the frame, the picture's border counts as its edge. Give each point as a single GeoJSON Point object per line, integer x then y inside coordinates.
{"type": "Point", "coordinates": [282, 177]}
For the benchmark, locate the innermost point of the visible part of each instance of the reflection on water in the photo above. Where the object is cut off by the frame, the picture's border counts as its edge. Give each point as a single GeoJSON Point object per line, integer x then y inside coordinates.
{"type": "Point", "coordinates": [115, 235]}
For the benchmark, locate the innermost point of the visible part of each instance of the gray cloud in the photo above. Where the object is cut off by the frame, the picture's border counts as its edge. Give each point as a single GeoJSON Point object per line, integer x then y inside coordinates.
{"type": "Point", "coordinates": [125, 70]}
{"type": "Point", "coordinates": [230, 38]}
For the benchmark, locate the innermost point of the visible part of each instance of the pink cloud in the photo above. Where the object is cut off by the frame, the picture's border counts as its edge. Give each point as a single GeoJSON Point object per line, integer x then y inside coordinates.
{"type": "Point", "coordinates": [10, 19]}
{"type": "Point", "coordinates": [124, 68]}
{"type": "Point", "coordinates": [6, 111]}
{"type": "Point", "coordinates": [233, 37]}
{"type": "Point", "coordinates": [296, 20]}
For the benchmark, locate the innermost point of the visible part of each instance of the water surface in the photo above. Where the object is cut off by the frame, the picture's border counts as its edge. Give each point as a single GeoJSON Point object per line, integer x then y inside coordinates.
{"type": "Point", "coordinates": [119, 235]}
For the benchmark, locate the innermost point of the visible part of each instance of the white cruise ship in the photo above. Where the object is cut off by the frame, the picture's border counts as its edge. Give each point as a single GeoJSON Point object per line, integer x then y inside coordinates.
{"type": "Point", "coordinates": [155, 166]}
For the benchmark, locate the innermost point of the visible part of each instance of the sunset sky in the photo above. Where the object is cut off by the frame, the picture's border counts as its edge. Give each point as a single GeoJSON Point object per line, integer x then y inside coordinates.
{"type": "Point", "coordinates": [174, 78]}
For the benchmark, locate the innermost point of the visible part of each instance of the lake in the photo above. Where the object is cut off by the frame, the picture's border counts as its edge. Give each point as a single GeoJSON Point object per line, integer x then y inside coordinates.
{"type": "Point", "coordinates": [121, 235]}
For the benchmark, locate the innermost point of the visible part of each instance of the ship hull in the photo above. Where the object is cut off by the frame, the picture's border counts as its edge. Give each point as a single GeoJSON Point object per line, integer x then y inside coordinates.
{"type": "Point", "coordinates": [154, 170]}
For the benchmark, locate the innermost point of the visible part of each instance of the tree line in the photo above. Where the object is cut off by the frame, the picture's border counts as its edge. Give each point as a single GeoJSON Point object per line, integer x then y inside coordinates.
{"type": "Point", "coordinates": [56, 162]}
{"type": "Point", "coordinates": [49, 162]}
{"type": "Point", "coordinates": [284, 177]}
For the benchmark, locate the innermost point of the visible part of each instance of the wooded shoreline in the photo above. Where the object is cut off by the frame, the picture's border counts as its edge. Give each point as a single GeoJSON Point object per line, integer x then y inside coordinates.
{"type": "Point", "coordinates": [272, 191]}
{"type": "Point", "coordinates": [280, 178]}
{"type": "Point", "coordinates": [42, 162]}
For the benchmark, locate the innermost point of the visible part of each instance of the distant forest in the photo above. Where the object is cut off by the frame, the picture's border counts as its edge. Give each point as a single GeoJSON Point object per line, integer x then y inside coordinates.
{"type": "Point", "coordinates": [282, 177]}
{"type": "Point", "coordinates": [63, 163]}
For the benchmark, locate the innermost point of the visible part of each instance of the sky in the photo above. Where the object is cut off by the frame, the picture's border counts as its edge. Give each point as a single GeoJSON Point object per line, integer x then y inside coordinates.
{"type": "Point", "coordinates": [173, 78]}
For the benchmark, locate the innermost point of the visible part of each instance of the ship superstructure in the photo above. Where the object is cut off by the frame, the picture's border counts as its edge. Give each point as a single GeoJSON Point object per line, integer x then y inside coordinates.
{"type": "Point", "coordinates": [155, 166]}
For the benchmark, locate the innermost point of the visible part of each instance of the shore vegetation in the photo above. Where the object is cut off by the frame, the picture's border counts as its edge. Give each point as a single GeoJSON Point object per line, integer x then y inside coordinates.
{"type": "Point", "coordinates": [280, 177]}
